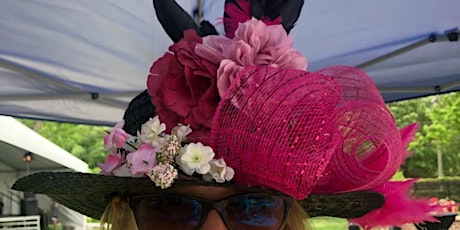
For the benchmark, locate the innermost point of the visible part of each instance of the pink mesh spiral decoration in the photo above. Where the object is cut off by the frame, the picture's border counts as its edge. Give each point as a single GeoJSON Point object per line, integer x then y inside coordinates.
{"type": "Point", "coordinates": [300, 132]}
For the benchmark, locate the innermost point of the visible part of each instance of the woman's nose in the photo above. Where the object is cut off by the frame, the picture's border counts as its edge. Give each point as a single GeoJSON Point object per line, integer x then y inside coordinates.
{"type": "Point", "coordinates": [213, 222]}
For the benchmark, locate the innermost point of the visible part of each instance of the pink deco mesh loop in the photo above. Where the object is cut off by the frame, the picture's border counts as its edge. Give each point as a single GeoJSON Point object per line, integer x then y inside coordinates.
{"type": "Point", "coordinates": [301, 133]}
{"type": "Point", "coordinates": [371, 150]}
{"type": "Point", "coordinates": [274, 128]}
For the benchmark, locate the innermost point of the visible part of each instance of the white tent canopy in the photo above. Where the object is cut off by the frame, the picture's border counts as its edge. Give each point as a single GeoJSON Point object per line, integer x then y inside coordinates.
{"type": "Point", "coordinates": [83, 60]}
{"type": "Point", "coordinates": [16, 140]}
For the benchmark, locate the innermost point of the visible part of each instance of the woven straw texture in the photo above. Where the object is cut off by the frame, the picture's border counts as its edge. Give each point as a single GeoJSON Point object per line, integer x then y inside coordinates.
{"type": "Point", "coordinates": [89, 194]}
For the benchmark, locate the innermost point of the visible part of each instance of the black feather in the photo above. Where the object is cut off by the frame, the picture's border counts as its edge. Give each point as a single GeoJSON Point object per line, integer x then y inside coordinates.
{"type": "Point", "coordinates": [257, 8]}
{"type": "Point", "coordinates": [288, 10]}
{"type": "Point", "coordinates": [176, 20]}
{"type": "Point", "coordinates": [206, 28]}
{"type": "Point", "coordinates": [173, 18]}
{"type": "Point", "coordinates": [290, 13]}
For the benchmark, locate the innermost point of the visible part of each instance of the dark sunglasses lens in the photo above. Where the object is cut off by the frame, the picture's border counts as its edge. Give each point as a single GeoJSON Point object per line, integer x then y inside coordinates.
{"type": "Point", "coordinates": [169, 213]}
{"type": "Point", "coordinates": [255, 212]}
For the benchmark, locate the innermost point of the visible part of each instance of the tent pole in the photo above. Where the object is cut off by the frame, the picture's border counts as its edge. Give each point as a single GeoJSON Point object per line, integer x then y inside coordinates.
{"type": "Point", "coordinates": [33, 74]}
{"type": "Point", "coordinates": [407, 90]}
{"type": "Point", "coordinates": [403, 50]}
{"type": "Point", "coordinates": [450, 85]}
{"type": "Point", "coordinates": [199, 12]}
{"type": "Point", "coordinates": [437, 89]}
{"type": "Point", "coordinates": [36, 75]}
{"type": "Point", "coordinates": [63, 96]}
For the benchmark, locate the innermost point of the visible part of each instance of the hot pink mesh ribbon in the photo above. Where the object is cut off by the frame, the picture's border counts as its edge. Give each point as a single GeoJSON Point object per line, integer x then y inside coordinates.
{"type": "Point", "coordinates": [370, 151]}
{"type": "Point", "coordinates": [301, 132]}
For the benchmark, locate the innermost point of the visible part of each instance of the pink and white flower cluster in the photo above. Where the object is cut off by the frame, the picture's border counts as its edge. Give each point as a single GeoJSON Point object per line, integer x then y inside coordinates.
{"type": "Point", "coordinates": [158, 155]}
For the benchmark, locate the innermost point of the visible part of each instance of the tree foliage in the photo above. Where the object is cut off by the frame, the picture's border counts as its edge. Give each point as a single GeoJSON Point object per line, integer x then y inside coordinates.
{"type": "Point", "coordinates": [83, 141]}
{"type": "Point", "coordinates": [439, 119]}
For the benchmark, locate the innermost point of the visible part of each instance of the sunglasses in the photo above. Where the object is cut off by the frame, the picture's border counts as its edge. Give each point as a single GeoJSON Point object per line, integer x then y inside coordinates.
{"type": "Point", "coordinates": [248, 211]}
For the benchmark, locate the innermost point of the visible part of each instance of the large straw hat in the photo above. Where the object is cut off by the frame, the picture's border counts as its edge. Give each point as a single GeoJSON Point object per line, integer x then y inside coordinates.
{"type": "Point", "coordinates": [325, 138]}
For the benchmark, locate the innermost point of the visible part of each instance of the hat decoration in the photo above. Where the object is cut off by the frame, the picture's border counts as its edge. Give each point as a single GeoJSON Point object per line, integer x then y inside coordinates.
{"type": "Point", "coordinates": [241, 109]}
{"type": "Point", "coordinates": [277, 125]}
{"type": "Point", "coordinates": [159, 156]}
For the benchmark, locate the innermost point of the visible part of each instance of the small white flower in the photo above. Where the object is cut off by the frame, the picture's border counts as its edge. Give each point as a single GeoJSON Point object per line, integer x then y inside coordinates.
{"type": "Point", "coordinates": [159, 142]}
{"type": "Point", "coordinates": [151, 139]}
{"type": "Point", "coordinates": [181, 131]}
{"type": "Point", "coordinates": [195, 157]}
{"type": "Point", "coordinates": [219, 171]}
{"type": "Point", "coordinates": [151, 130]}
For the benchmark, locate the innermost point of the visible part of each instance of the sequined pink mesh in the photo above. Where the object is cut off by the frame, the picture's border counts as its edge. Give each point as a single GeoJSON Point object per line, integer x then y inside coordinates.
{"type": "Point", "coordinates": [301, 132]}
{"type": "Point", "coordinates": [371, 149]}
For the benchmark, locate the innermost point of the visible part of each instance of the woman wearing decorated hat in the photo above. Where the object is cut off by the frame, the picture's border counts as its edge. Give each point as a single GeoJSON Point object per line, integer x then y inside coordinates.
{"type": "Point", "coordinates": [234, 133]}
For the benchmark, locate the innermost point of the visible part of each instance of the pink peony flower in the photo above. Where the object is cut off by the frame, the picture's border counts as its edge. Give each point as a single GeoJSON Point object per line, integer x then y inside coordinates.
{"type": "Point", "coordinates": [117, 136]}
{"type": "Point", "coordinates": [227, 72]}
{"type": "Point", "coordinates": [254, 43]}
{"type": "Point", "coordinates": [112, 162]}
{"type": "Point", "coordinates": [183, 87]}
{"type": "Point", "coordinates": [142, 160]}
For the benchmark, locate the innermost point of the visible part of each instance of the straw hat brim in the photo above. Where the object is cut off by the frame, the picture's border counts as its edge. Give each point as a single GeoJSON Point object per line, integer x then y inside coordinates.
{"type": "Point", "coordinates": [89, 194]}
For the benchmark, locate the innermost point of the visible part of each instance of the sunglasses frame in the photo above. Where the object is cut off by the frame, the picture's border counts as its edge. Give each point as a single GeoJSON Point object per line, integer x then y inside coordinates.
{"type": "Point", "coordinates": [207, 205]}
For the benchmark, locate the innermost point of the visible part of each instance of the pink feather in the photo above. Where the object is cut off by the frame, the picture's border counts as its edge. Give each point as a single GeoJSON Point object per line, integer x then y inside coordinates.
{"type": "Point", "coordinates": [235, 15]}
{"type": "Point", "coordinates": [239, 13]}
{"type": "Point", "coordinates": [399, 208]}
{"type": "Point", "coordinates": [408, 135]}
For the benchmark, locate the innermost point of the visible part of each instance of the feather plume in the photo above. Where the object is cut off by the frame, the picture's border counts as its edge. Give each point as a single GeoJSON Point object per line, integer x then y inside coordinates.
{"type": "Point", "coordinates": [408, 135]}
{"type": "Point", "coordinates": [206, 28]}
{"type": "Point", "coordinates": [284, 12]}
{"type": "Point", "coordinates": [235, 12]}
{"type": "Point", "coordinates": [399, 208]}
{"type": "Point", "coordinates": [176, 20]}
{"type": "Point", "coordinates": [289, 13]}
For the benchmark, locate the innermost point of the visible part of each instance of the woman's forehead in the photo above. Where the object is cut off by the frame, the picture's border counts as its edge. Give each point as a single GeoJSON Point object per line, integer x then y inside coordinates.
{"type": "Point", "coordinates": [208, 192]}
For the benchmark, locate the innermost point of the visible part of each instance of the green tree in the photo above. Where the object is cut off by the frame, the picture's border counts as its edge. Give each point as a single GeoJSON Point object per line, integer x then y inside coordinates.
{"type": "Point", "coordinates": [444, 131]}
{"type": "Point", "coordinates": [83, 141]}
{"type": "Point", "coordinates": [439, 131]}
{"type": "Point", "coordinates": [405, 113]}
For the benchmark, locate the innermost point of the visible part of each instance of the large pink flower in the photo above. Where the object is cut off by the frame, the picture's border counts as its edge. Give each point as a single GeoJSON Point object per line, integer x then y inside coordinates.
{"type": "Point", "coordinates": [255, 43]}
{"type": "Point", "coordinates": [117, 136]}
{"type": "Point", "coordinates": [142, 160]}
{"type": "Point", "coordinates": [183, 87]}
{"type": "Point", "coordinates": [112, 162]}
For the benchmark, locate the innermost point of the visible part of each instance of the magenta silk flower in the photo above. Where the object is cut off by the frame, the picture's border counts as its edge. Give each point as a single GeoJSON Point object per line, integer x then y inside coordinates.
{"type": "Point", "coordinates": [183, 87]}
{"type": "Point", "coordinates": [142, 160]}
{"type": "Point", "coordinates": [117, 136]}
